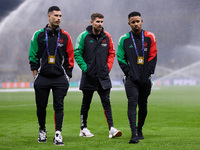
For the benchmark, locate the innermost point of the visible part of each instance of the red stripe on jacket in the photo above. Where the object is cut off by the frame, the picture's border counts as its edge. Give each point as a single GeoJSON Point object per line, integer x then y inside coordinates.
{"type": "Point", "coordinates": [153, 48]}
{"type": "Point", "coordinates": [69, 49]}
{"type": "Point", "coordinates": [111, 52]}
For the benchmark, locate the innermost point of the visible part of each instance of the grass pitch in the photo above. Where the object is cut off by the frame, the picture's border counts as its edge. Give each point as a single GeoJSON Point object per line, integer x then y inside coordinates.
{"type": "Point", "coordinates": [172, 122]}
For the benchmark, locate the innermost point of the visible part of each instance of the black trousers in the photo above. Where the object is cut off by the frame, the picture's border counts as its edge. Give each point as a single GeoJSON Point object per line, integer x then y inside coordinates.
{"type": "Point", "coordinates": [42, 86]}
{"type": "Point", "coordinates": [137, 96]}
{"type": "Point", "coordinates": [105, 100]}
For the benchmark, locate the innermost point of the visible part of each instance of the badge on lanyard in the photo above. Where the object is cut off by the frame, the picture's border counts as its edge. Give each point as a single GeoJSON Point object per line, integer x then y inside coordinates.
{"type": "Point", "coordinates": [51, 59]}
{"type": "Point", "coordinates": [140, 60]}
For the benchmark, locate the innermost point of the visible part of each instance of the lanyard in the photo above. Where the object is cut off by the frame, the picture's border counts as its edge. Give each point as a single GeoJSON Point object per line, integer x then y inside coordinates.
{"type": "Point", "coordinates": [48, 44]}
{"type": "Point", "coordinates": [135, 44]}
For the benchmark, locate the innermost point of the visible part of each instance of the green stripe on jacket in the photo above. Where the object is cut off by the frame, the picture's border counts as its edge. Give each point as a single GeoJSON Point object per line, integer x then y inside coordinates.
{"type": "Point", "coordinates": [120, 49]}
{"type": "Point", "coordinates": [34, 47]}
{"type": "Point", "coordinates": [78, 51]}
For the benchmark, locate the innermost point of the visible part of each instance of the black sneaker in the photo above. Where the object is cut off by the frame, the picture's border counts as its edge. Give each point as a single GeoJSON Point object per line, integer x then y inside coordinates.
{"type": "Point", "coordinates": [140, 135]}
{"type": "Point", "coordinates": [57, 140]}
{"type": "Point", "coordinates": [42, 138]}
{"type": "Point", "coordinates": [134, 140]}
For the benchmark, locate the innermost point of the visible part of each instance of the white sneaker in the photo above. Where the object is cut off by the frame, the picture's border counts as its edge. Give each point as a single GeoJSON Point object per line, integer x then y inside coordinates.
{"type": "Point", "coordinates": [58, 139]}
{"type": "Point", "coordinates": [86, 133]}
{"type": "Point", "coordinates": [114, 133]}
{"type": "Point", "coordinates": [42, 136]}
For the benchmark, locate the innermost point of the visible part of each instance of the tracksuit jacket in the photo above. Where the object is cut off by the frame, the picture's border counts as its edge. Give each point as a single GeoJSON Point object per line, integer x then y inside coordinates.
{"type": "Point", "coordinates": [127, 57]}
{"type": "Point", "coordinates": [95, 56]}
{"type": "Point", "coordinates": [64, 60]}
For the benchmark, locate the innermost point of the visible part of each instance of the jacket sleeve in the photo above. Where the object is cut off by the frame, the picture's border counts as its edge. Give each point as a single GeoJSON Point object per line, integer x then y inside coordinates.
{"type": "Point", "coordinates": [152, 59]}
{"type": "Point", "coordinates": [121, 56]}
{"type": "Point", "coordinates": [70, 53]}
{"type": "Point", "coordinates": [33, 50]}
{"type": "Point", "coordinates": [78, 51]}
{"type": "Point", "coordinates": [111, 52]}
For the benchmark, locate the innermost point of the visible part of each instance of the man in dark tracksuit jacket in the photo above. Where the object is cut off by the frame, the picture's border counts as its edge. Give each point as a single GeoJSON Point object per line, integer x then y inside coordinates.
{"type": "Point", "coordinates": [137, 56]}
{"type": "Point", "coordinates": [94, 53]}
{"type": "Point", "coordinates": [51, 58]}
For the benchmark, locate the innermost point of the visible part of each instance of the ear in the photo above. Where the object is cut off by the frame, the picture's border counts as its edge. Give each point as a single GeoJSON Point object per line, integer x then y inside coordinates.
{"type": "Point", "coordinates": [142, 21]}
{"type": "Point", "coordinates": [129, 23]}
{"type": "Point", "coordinates": [49, 16]}
{"type": "Point", "coordinates": [91, 22]}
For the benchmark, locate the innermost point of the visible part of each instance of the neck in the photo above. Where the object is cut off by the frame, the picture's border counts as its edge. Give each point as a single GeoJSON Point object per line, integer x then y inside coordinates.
{"type": "Point", "coordinates": [137, 32]}
{"type": "Point", "coordinates": [96, 33]}
{"type": "Point", "coordinates": [52, 27]}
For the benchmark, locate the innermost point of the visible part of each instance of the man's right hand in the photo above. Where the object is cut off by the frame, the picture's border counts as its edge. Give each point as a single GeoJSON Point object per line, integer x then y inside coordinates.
{"type": "Point", "coordinates": [34, 73]}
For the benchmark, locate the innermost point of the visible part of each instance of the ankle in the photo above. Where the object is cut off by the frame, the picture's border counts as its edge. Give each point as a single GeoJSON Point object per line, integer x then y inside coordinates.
{"type": "Point", "coordinates": [58, 132]}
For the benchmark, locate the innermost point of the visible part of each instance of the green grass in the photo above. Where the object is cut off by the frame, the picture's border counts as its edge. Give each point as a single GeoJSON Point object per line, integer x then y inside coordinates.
{"type": "Point", "coordinates": [173, 122]}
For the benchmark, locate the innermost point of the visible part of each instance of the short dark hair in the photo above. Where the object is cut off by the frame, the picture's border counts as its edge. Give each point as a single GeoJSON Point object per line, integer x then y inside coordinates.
{"type": "Point", "coordinates": [96, 15]}
{"type": "Point", "coordinates": [133, 14]}
{"type": "Point", "coordinates": [53, 8]}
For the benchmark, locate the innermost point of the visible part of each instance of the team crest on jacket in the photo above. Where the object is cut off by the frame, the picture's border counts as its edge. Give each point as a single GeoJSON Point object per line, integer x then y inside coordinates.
{"type": "Point", "coordinates": [60, 44]}
{"type": "Point", "coordinates": [145, 44]}
{"type": "Point", "coordinates": [61, 40]}
{"type": "Point", "coordinates": [103, 43]}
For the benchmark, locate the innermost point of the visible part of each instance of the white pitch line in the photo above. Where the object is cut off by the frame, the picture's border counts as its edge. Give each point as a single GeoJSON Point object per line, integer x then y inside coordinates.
{"type": "Point", "coordinates": [70, 89]}
{"type": "Point", "coordinates": [23, 105]}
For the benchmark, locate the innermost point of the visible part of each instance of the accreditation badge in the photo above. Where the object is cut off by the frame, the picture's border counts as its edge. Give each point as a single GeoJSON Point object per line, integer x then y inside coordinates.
{"type": "Point", "coordinates": [51, 59]}
{"type": "Point", "coordinates": [140, 60]}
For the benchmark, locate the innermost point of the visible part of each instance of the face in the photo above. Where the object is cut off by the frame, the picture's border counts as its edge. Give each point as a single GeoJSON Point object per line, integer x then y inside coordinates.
{"type": "Point", "coordinates": [136, 24]}
{"type": "Point", "coordinates": [97, 25]}
{"type": "Point", "coordinates": [54, 18]}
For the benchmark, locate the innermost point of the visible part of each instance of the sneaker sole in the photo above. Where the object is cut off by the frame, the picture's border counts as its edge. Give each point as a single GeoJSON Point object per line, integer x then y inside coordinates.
{"type": "Point", "coordinates": [118, 134]}
{"type": "Point", "coordinates": [58, 144]}
{"type": "Point", "coordinates": [87, 136]}
{"type": "Point", "coordinates": [42, 141]}
{"type": "Point", "coordinates": [141, 138]}
{"type": "Point", "coordinates": [81, 134]}
{"type": "Point", "coordinates": [133, 142]}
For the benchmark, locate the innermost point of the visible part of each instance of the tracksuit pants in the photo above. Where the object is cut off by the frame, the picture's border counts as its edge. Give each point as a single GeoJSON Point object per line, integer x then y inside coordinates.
{"type": "Point", "coordinates": [105, 100]}
{"type": "Point", "coordinates": [137, 95]}
{"type": "Point", "coordinates": [59, 87]}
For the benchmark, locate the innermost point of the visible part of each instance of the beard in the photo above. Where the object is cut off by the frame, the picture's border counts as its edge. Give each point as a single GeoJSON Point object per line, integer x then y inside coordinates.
{"type": "Point", "coordinates": [136, 30]}
{"type": "Point", "coordinates": [97, 30]}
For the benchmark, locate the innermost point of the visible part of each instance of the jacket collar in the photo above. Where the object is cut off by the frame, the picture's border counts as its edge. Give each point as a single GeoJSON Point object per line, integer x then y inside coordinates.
{"type": "Point", "coordinates": [50, 31]}
{"type": "Point", "coordinates": [89, 29]}
{"type": "Point", "coordinates": [137, 36]}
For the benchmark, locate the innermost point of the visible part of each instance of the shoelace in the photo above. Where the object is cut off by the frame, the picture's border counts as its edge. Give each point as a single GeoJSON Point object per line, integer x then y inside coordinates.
{"type": "Point", "coordinates": [42, 135]}
{"type": "Point", "coordinates": [58, 138]}
{"type": "Point", "coordinates": [87, 131]}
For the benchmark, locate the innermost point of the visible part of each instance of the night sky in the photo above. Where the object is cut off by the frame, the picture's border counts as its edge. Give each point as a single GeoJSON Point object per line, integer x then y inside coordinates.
{"type": "Point", "coordinates": [6, 6]}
